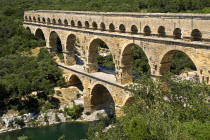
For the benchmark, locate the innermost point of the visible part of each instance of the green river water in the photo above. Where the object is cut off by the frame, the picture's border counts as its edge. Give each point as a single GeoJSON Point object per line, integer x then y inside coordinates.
{"type": "Point", "coordinates": [71, 131]}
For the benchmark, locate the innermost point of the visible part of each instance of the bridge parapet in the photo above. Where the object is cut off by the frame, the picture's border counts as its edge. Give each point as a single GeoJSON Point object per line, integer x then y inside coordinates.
{"type": "Point", "coordinates": [177, 26]}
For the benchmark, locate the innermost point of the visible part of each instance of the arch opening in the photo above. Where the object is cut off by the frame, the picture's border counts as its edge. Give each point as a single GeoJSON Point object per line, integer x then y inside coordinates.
{"type": "Point", "coordinates": [134, 63]}
{"type": "Point", "coordinates": [59, 22]}
{"type": "Point", "coordinates": [102, 99]}
{"type": "Point", "coordinates": [72, 23]}
{"type": "Point", "coordinates": [65, 22]}
{"type": "Point", "coordinates": [94, 25]}
{"type": "Point", "coordinates": [54, 22]}
{"type": "Point", "coordinates": [102, 26]}
{"type": "Point", "coordinates": [134, 29]}
{"type": "Point", "coordinates": [39, 35]}
{"type": "Point", "coordinates": [176, 62]}
{"type": "Point", "coordinates": [34, 19]}
{"type": "Point", "coordinates": [75, 81]}
{"type": "Point", "coordinates": [111, 27]}
{"type": "Point", "coordinates": [43, 20]}
{"type": "Point", "coordinates": [177, 33]}
{"type": "Point", "coordinates": [196, 35]}
{"type": "Point", "coordinates": [55, 45]}
{"type": "Point", "coordinates": [28, 29]}
{"type": "Point", "coordinates": [122, 28]}
{"type": "Point", "coordinates": [26, 18]}
{"type": "Point", "coordinates": [30, 18]}
{"type": "Point", "coordinates": [79, 24]}
{"type": "Point", "coordinates": [161, 31]}
{"type": "Point", "coordinates": [147, 31]}
{"type": "Point", "coordinates": [48, 21]}
{"type": "Point", "coordinates": [39, 20]}
{"type": "Point", "coordinates": [87, 25]}
{"type": "Point", "coordinates": [100, 57]}
{"type": "Point", "coordinates": [73, 52]}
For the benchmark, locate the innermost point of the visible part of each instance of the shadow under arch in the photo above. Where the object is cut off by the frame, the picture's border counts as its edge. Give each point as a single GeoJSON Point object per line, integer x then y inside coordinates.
{"type": "Point", "coordinates": [161, 31]}
{"type": "Point", "coordinates": [39, 34]}
{"type": "Point", "coordinates": [48, 21]}
{"type": "Point", "coordinates": [102, 26]}
{"type": "Point", "coordinates": [147, 31]}
{"type": "Point", "coordinates": [99, 51]}
{"type": "Point", "coordinates": [129, 101]}
{"type": "Point", "coordinates": [55, 43]}
{"type": "Point", "coordinates": [134, 62]}
{"type": "Point", "coordinates": [94, 25]}
{"type": "Point", "coordinates": [101, 98]}
{"type": "Point", "coordinates": [87, 25]}
{"type": "Point", "coordinates": [167, 62]}
{"type": "Point", "coordinates": [60, 22]}
{"type": "Point", "coordinates": [196, 35]}
{"type": "Point", "coordinates": [71, 58]}
{"type": "Point", "coordinates": [30, 19]}
{"type": "Point", "coordinates": [34, 19]}
{"type": "Point", "coordinates": [26, 18]}
{"type": "Point", "coordinates": [79, 24]}
{"type": "Point", "coordinates": [111, 27]}
{"type": "Point", "coordinates": [134, 29]}
{"type": "Point", "coordinates": [177, 33]}
{"type": "Point", "coordinates": [65, 22]}
{"type": "Point", "coordinates": [39, 19]}
{"type": "Point", "coordinates": [43, 20]}
{"type": "Point", "coordinates": [54, 22]}
{"type": "Point", "coordinates": [72, 23]}
{"type": "Point", "coordinates": [122, 28]}
{"type": "Point", "coordinates": [28, 28]}
{"type": "Point", "coordinates": [74, 80]}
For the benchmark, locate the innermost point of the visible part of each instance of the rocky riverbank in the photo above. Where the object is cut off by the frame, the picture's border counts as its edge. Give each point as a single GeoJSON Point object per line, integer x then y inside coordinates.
{"type": "Point", "coordinates": [14, 121]}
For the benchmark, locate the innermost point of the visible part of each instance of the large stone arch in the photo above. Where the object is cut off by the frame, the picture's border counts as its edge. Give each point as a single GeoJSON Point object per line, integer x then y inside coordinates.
{"type": "Point", "coordinates": [125, 73]}
{"type": "Point", "coordinates": [75, 80]}
{"type": "Point", "coordinates": [69, 57]}
{"type": "Point", "coordinates": [39, 34]}
{"type": "Point", "coordinates": [101, 98]}
{"type": "Point", "coordinates": [92, 54]}
{"type": "Point", "coordinates": [55, 42]}
{"type": "Point", "coordinates": [166, 59]}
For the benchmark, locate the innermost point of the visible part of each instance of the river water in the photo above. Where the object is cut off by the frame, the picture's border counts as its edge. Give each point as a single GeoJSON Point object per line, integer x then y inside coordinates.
{"type": "Point", "coordinates": [71, 131]}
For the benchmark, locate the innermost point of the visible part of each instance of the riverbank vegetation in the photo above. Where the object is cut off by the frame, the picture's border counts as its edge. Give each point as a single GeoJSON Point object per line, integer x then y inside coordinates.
{"type": "Point", "coordinates": [167, 111]}
{"type": "Point", "coordinates": [183, 113]}
{"type": "Point", "coordinates": [21, 75]}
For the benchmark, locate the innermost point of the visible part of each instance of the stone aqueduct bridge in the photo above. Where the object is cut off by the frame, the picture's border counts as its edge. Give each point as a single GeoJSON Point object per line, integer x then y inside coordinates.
{"type": "Point", "coordinates": [159, 36]}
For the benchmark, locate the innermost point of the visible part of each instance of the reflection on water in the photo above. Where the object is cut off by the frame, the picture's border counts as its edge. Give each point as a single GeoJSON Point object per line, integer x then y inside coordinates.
{"type": "Point", "coordinates": [71, 131]}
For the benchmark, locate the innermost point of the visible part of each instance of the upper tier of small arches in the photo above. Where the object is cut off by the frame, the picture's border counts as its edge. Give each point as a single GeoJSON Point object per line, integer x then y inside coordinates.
{"type": "Point", "coordinates": [195, 35]}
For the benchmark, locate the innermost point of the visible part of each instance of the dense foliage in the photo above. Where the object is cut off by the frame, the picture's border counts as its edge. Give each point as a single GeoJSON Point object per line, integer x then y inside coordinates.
{"type": "Point", "coordinates": [176, 110]}
{"type": "Point", "coordinates": [75, 112]}
{"type": "Point", "coordinates": [21, 75]}
{"type": "Point", "coordinates": [140, 63]}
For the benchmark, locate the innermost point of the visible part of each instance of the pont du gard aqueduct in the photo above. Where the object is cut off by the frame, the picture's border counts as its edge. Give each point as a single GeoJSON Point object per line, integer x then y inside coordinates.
{"type": "Point", "coordinates": [159, 36]}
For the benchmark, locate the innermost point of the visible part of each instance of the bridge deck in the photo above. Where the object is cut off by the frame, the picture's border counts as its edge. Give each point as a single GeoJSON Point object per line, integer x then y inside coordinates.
{"type": "Point", "coordinates": [123, 14]}
{"type": "Point", "coordinates": [100, 76]}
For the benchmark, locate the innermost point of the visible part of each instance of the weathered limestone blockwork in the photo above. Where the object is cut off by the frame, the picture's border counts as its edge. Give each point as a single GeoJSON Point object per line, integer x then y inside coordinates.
{"type": "Point", "coordinates": [94, 27]}
{"type": "Point", "coordinates": [103, 94]}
